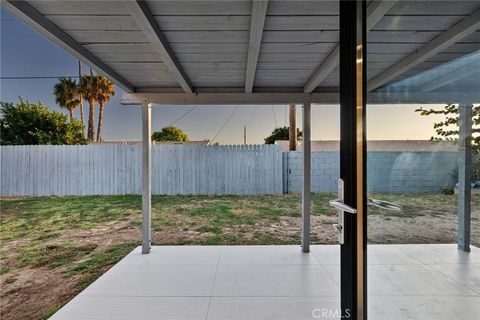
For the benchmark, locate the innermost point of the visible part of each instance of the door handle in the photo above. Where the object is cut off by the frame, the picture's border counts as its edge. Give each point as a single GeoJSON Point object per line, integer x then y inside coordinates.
{"type": "Point", "coordinates": [385, 205]}
{"type": "Point", "coordinates": [339, 205]}
{"type": "Point", "coordinates": [341, 209]}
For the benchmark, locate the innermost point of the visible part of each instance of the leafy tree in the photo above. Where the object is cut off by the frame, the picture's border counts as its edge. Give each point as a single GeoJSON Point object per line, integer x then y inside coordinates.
{"type": "Point", "coordinates": [90, 91]}
{"type": "Point", "coordinates": [281, 134]}
{"type": "Point", "coordinates": [448, 129]}
{"type": "Point", "coordinates": [170, 133]}
{"type": "Point", "coordinates": [106, 90]}
{"type": "Point", "coordinates": [32, 123]}
{"type": "Point", "coordinates": [66, 94]}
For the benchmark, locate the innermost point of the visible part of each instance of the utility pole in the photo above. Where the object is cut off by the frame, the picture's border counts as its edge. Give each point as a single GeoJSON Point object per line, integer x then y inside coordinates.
{"type": "Point", "coordinates": [245, 134]}
{"type": "Point", "coordinates": [81, 98]}
{"type": "Point", "coordinates": [292, 132]}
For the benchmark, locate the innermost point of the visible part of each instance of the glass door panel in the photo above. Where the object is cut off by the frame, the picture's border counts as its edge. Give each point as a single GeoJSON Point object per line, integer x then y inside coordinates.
{"type": "Point", "coordinates": [419, 160]}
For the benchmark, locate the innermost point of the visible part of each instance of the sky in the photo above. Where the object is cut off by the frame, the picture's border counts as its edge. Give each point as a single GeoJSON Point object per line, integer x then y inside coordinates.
{"type": "Point", "coordinates": [26, 53]}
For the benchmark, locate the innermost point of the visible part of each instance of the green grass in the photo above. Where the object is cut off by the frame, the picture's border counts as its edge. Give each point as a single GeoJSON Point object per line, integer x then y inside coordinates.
{"type": "Point", "coordinates": [101, 260]}
{"type": "Point", "coordinates": [4, 269]}
{"type": "Point", "coordinates": [43, 232]}
{"type": "Point", "coordinates": [49, 313]}
{"type": "Point", "coordinates": [52, 255]}
{"type": "Point", "coordinates": [216, 219]}
{"type": "Point", "coordinates": [42, 220]}
{"type": "Point", "coordinates": [43, 217]}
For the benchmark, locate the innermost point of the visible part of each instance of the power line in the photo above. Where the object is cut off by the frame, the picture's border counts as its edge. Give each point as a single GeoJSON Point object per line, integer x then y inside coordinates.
{"type": "Point", "coordinates": [274, 117]}
{"type": "Point", "coordinates": [253, 115]}
{"type": "Point", "coordinates": [35, 77]}
{"type": "Point", "coordinates": [206, 129]}
{"type": "Point", "coordinates": [248, 123]}
{"type": "Point", "coordinates": [182, 116]}
{"type": "Point", "coordinates": [228, 119]}
{"type": "Point", "coordinates": [189, 129]}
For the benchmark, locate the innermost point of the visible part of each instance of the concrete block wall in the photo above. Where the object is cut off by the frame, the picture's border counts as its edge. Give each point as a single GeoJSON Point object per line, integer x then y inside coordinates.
{"type": "Point", "coordinates": [387, 171]}
{"type": "Point", "coordinates": [325, 171]}
{"type": "Point", "coordinates": [411, 171]}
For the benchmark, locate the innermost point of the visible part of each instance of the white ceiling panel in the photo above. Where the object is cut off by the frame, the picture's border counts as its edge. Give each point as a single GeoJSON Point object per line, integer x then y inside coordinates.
{"type": "Point", "coordinates": [210, 39]}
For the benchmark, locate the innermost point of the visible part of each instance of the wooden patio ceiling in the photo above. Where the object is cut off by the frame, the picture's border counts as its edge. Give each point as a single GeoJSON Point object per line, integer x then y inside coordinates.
{"type": "Point", "coordinates": [250, 46]}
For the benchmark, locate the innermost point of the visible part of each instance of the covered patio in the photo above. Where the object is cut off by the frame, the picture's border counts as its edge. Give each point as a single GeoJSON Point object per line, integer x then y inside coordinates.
{"type": "Point", "coordinates": [279, 282]}
{"type": "Point", "coordinates": [244, 52]}
{"type": "Point", "coordinates": [280, 52]}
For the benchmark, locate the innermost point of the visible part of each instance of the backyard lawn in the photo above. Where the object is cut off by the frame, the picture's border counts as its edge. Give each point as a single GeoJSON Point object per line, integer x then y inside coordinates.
{"type": "Point", "coordinates": [53, 247]}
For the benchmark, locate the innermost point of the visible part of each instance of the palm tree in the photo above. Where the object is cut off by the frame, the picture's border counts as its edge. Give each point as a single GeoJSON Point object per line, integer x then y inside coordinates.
{"type": "Point", "coordinates": [66, 93]}
{"type": "Point", "coordinates": [105, 92]}
{"type": "Point", "coordinates": [90, 91]}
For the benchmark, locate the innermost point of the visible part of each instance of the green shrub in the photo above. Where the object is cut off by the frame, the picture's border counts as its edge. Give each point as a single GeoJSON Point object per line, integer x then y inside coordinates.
{"type": "Point", "coordinates": [32, 123]}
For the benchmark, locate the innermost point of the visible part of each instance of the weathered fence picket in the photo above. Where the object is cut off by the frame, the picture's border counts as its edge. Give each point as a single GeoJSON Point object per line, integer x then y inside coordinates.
{"type": "Point", "coordinates": [115, 169]}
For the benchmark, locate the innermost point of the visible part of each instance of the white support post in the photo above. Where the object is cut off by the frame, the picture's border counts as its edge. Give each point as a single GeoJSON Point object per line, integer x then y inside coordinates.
{"type": "Point", "coordinates": [147, 178]}
{"type": "Point", "coordinates": [464, 176]}
{"type": "Point", "coordinates": [306, 179]}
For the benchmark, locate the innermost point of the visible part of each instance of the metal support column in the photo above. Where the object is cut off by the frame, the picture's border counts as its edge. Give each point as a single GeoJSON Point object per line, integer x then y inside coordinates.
{"type": "Point", "coordinates": [464, 176]}
{"type": "Point", "coordinates": [306, 179]}
{"type": "Point", "coordinates": [146, 177]}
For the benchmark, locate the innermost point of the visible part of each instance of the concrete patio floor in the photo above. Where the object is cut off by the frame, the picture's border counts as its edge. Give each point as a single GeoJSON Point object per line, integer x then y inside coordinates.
{"type": "Point", "coordinates": [279, 282]}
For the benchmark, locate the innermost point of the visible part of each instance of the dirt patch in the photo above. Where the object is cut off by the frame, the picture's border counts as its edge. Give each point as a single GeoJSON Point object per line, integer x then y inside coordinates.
{"type": "Point", "coordinates": [38, 290]}
{"type": "Point", "coordinates": [114, 232]}
{"type": "Point", "coordinates": [34, 292]}
{"type": "Point", "coordinates": [287, 230]}
{"type": "Point", "coordinates": [420, 229]}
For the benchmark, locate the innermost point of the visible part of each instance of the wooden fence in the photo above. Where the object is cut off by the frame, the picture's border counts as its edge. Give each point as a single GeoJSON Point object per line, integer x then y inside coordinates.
{"type": "Point", "coordinates": [116, 169]}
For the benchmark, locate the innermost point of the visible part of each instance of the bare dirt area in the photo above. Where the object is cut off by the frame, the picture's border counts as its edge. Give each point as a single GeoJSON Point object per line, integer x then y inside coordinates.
{"type": "Point", "coordinates": [35, 292]}
{"type": "Point", "coordinates": [420, 229]}
{"type": "Point", "coordinates": [52, 248]}
{"type": "Point", "coordinates": [427, 218]}
{"type": "Point", "coordinates": [37, 279]}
